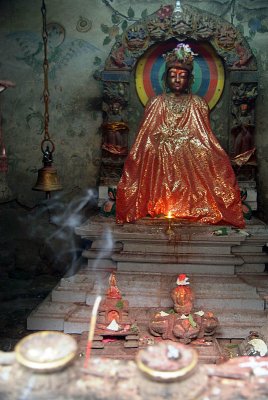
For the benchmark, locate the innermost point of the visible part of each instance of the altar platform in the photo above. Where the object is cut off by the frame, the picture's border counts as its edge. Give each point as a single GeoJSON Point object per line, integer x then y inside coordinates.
{"type": "Point", "coordinates": [174, 246]}
{"type": "Point", "coordinates": [226, 269]}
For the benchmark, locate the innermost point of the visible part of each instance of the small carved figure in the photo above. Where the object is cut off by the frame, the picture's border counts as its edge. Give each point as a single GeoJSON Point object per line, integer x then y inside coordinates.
{"type": "Point", "coordinates": [111, 170]}
{"type": "Point", "coordinates": [182, 24]}
{"type": "Point", "coordinates": [115, 138]}
{"type": "Point", "coordinates": [158, 28]}
{"type": "Point", "coordinates": [205, 27]}
{"type": "Point", "coordinates": [254, 345]}
{"type": "Point", "coordinates": [244, 93]}
{"type": "Point", "coordinates": [183, 324]}
{"type": "Point", "coordinates": [243, 131]}
{"type": "Point", "coordinates": [247, 210]}
{"type": "Point", "coordinates": [243, 54]}
{"type": "Point", "coordinates": [186, 330]}
{"type": "Point", "coordinates": [164, 12]}
{"type": "Point", "coordinates": [226, 36]}
{"type": "Point", "coordinates": [182, 295]}
{"type": "Point", "coordinates": [209, 323]}
{"type": "Point", "coordinates": [113, 292]}
{"type": "Point", "coordinates": [115, 110]}
{"type": "Point", "coordinates": [108, 207]}
{"type": "Point", "coordinates": [136, 37]}
{"type": "Point", "coordinates": [120, 57]}
{"type": "Point", "coordinates": [115, 92]}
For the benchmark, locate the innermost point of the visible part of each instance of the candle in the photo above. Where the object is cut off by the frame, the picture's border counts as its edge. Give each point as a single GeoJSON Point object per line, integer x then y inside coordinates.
{"type": "Point", "coordinates": [169, 230]}
{"type": "Point", "coordinates": [91, 329]}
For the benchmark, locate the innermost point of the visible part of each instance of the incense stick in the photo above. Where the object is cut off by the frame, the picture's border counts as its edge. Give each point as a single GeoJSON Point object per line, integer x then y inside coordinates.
{"type": "Point", "coordinates": [92, 329]}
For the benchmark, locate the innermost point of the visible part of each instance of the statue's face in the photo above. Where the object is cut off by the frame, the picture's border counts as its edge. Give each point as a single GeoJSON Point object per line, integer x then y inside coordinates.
{"type": "Point", "coordinates": [178, 80]}
{"type": "Point", "coordinates": [115, 108]}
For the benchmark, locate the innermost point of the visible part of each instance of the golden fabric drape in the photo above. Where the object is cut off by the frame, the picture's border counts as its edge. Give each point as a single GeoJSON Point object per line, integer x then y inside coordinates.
{"type": "Point", "coordinates": [114, 141]}
{"type": "Point", "coordinates": [177, 165]}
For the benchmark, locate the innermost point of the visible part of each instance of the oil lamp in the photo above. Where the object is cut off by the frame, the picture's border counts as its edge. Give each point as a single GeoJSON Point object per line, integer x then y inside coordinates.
{"type": "Point", "coordinates": [47, 180]}
{"type": "Point", "coordinates": [169, 230]}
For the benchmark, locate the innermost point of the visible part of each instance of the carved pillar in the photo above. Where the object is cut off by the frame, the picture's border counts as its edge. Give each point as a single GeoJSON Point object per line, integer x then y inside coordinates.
{"type": "Point", "coordinates": [114, 129]}
{"type": "Point", "coordinates": [243, 94]}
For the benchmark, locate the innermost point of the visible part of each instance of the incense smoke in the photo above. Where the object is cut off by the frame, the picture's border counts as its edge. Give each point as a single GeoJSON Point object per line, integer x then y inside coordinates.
{"type": "Point", "coordinates": [54, 221]}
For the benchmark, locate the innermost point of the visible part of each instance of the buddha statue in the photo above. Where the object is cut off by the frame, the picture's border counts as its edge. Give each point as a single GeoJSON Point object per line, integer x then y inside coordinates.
{"type": "Point", "coordinates": [176, 164]}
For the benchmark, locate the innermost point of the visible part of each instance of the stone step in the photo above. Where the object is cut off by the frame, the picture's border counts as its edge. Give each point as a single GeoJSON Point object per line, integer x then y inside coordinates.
{"type": "Point", "coordinates": [152, 296]}
{"type": "Point", "coordinates": [176, 268]}
{"type": "Point", "coordinates": [74, 319]}
{"type": "Point", "coordinates": [235, 331]}
{"type": "Point", "coordinates": [236, 324]}
{"type": "Point", "coordinates": [243, 305]}
{"type": "Point", "coordinates": [181, 247]}
{"type": "Point", "coordinates": [228, 317]}
{"type": "Point", "coordinates": [50, 315]}
{"type": "Point", "coordinates": [256, 280]}
{"type": "Point", "coordinates": [152, 289]}
{"type": "Point", "coordinates": [178, 258]}
{"type": "Point", "coordinates": [132, 282]}
{"type": "Point", "coordinates": [250, 268]}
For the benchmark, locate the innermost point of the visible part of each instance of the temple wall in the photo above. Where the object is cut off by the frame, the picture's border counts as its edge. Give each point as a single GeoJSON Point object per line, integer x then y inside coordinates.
{"type": "Point", "coordinates": [81, 35]}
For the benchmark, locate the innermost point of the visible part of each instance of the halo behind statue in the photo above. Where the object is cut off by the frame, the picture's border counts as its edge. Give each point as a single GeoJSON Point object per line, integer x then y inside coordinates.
{"type": "Point", "coordinates": [208, 72]}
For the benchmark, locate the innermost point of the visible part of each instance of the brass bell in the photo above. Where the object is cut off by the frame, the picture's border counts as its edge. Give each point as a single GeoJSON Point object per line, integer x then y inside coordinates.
{"type": "Point", "coordinates": [47, 180]}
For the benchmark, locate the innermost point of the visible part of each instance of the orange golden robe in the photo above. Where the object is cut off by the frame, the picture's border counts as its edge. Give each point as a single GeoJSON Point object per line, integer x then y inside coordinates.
{"type": "Point", "coordinates": [177, 165]}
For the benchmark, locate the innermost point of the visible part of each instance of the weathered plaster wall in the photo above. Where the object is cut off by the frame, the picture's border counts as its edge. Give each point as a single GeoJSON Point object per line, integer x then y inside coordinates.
{"type": "Point", "coordinates": [74, 108]}
{"type": "Point", "coordinates": [81, 34]}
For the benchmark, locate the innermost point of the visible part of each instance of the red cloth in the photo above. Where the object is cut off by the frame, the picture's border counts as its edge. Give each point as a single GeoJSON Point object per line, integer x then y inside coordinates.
{"type": "Point", "coordinates": [177, 164]}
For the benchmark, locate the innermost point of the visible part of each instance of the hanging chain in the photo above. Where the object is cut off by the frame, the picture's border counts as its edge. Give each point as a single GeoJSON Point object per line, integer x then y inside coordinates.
{"type": "Point", "coordinates": [45, 68]}
{"type": "Point", "coordinates": [233, 5]}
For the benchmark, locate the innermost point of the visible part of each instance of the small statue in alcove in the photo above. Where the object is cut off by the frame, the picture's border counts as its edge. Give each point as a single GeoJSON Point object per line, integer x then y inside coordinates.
{"type": "Point", "coordinates": [247, 210]}
{"type": "Point", "coordinates": [115, 130]}
{"type": "Point", "coordinates": [108, 207]}
{"type": "Point", "coordinates": [243, 130]}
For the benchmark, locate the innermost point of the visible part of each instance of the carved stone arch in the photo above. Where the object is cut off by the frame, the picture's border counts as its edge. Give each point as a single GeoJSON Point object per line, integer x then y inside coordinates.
{"type": "Point", "coordinates": [167, 23]}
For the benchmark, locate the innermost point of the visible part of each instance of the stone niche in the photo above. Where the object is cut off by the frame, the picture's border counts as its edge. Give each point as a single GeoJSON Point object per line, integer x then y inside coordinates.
{"type": "Point", "coordinates": [195, 26]}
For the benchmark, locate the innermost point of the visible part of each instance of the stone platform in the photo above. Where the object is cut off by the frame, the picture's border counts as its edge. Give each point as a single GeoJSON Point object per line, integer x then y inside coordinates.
{"type": "Point", "coordinates": [147, 246]}
{"type": "Point", "coordinates": [227, 274]}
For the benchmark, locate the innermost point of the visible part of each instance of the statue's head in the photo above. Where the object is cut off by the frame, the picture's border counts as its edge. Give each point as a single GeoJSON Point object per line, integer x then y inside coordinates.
{"type": "Point", "coordinates": [179, 67]}
{"type": "Point", "coordinates": [178, 80]}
